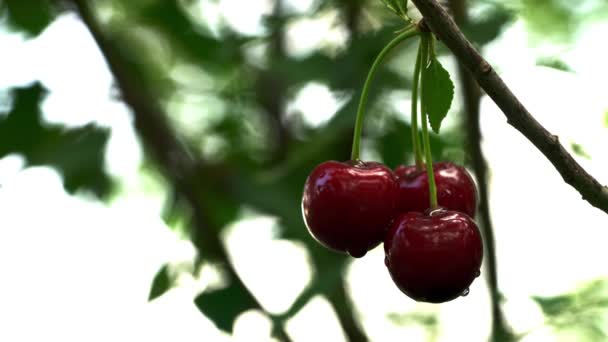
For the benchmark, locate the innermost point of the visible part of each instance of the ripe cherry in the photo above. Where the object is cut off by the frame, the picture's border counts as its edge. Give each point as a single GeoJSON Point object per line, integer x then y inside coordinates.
{"type": "Point", "coordinates": [433, 257]}
{"type": "Point", "coordinates": [348, 206]}
{"type": "Point", "coordinates": [455, 188]}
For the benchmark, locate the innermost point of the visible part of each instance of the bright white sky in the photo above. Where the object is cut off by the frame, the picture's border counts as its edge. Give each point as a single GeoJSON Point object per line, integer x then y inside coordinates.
{"type": "Point", "coordinates": [77, 270]}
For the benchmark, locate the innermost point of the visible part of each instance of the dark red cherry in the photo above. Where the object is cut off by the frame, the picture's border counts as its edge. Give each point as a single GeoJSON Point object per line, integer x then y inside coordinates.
{"type": "Point", "coordinates": [348, 206]}
{"type": "Point", "coordinates": [455, 188]}
{"type": "Point", "coordinates": [433, 257]}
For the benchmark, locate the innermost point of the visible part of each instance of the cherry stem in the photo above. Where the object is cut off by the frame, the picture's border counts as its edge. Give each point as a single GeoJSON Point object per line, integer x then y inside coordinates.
{"type": "Point", "coordinates": [427, 47]}
{"type": "Point", "coordinates": [408, 33]}
{"type": "Point", "coordinates": [414, 114]}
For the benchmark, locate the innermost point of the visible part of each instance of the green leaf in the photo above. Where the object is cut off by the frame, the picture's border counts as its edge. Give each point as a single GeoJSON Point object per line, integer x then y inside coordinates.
{"type": "Point", "coordinates": [77, 153]}
{"type": "Point", "coordinates": [554, 63]}
{"type": "Point", "coordinates": [579, 150]}
{"type": "Point", "coordinates": [428, 319]}
{"type": "Point", "coordinates": [484, 29]}
{"type": "Point", "coordinates": [580, 306]}
{"type": "Point", "coordinates": [394, 146]}
{"type": "Point", "coordinates": [29, 16]}
{"type": "Point", "coordinates": [437, 92]}
{"type": "Point", "coordinates": [160, 284]}
{"type": "Point", "coordinates": [553, 306]}
{"type": "Point", "coordinates": [223, 306]}
{"type": "Point", "coordinates": [606, 119]}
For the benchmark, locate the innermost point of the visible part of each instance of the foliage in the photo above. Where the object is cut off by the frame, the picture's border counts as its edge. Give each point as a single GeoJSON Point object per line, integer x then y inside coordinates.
{"type": "Point", "coordinates": [30, 17]}
{"type": "Point", "coordinates": [437, 92]}
{"type": "Point", "coordinates": [77, 153]}
{"type": "Point", "coordinates": [583, 309]}
{"type": "Point", "coordinates": [579, 150]}
{"type": "Point", "coordinates": [161, 283]}
{"type": "Point", "coordinates": [252, 153]}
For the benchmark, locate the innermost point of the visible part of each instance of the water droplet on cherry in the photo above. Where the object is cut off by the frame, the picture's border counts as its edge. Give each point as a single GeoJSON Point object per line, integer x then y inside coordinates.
{"type": "Point", "coordinates": [465, 293]}
{"type": "Point", "coordinates": [477, 273]}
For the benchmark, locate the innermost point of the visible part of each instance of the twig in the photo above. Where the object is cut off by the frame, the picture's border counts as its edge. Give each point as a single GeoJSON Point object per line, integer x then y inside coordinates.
{"type": "Point", "coordinates": [171, 155]}
{"type": "Point", "coordinates": [346, 313]}
{"type": "Point", "coordinates": [472, 96]}
{"type": "Point", "coordinates": [517, 115]}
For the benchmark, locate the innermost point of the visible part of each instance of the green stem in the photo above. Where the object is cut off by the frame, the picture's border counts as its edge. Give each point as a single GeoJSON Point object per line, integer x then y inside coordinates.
{"type": "Point", "coordinates": [427, 48]}
{"type": "Point", "coordinates": [414, 113]}
{"type": "Point", "coordinates": [364, 94]}
{"type": "Point", "coordinates": [432, 44]}
{"type": "Point", "coordinates": [402, 9]}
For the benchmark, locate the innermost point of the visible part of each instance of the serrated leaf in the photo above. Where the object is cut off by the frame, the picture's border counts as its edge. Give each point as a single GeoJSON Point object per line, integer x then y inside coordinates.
{"type": "Point", "coordinates": [437, 92]}
{"type": "Point", "coordinates": [160, 284]}
{"type": "Point", "coordinates": [223, 306]}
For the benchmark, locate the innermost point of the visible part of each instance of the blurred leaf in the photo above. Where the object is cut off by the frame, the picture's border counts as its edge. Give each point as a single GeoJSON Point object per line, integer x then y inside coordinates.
{"type": "Point", "coordinates": [396, 144]}
{"type": "Point", "coordinates": [582, 310]}
{"type": "Point", "coordinates": [552, 306]}
{"type": "Point", "coordinates": [160, 284]}
{"type": "Point", "coordinates": [427, 319]}
{"type": "Point", "coordinates": [188, 37]}
{"type": "Point", "coordinates": [77, 153]}
{"type": "Point", "coordinates": [326, 280]}
{"type": "Point", "coordinates": [438, 92]}
{"type": "Point", "coordinates": [487, 27]}
{"type": "Point", "coordinates": [579, 150]}
{"type": "Point", "coordinates": [29, 16]}
{"type": "Point", "coordinates": [223, 306]}
{"type": "Point", "coordinates": [606, 119]}
{"type": "Point", "coordinates": [550, 19]}
{"type": "Point", "coordinates": [173, 208]}
{"type": "Point", "coordinates": [222, 210]}
{"type": "Point", "coordinates": [554, 63]}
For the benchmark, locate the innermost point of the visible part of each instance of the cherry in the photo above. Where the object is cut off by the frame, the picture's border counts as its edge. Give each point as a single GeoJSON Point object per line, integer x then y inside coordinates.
{"type": "Point", "coordinates": [455, 188]}
{"type": "Point", "coordinates": [433, 257]}
{"type": "Point", "coordinates": [348, 206]}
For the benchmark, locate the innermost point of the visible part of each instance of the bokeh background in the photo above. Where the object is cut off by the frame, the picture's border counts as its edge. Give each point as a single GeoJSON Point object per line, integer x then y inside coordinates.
{"type": "Point", "coordinates": [153, 154]}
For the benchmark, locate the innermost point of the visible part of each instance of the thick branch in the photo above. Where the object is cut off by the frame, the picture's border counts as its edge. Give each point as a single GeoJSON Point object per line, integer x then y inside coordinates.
{"type": "Point", "coordinates": [169, 153]}
{"type": "Point", "coordinates": [517, 115]}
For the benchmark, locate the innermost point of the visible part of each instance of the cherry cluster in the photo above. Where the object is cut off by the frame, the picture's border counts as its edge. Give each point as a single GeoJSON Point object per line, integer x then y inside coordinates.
{"type": "Point", "coordinates": [432, 255]}
{"type": "Point", "coordinates": [423, 213]}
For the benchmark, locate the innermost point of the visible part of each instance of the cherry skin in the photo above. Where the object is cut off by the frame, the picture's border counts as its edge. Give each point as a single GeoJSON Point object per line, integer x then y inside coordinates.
{"type": "Point", "coordinates": [455, 188]}
{"type": "Point", "coordinates": [433, 257]}
{"type": "Point", "coordinates": [349, 206]}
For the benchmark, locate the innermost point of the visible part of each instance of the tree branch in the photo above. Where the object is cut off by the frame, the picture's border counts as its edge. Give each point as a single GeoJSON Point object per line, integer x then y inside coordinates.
{"type": "Point", "coordinates": [170, 154]}
{"type": "Point", "coordinates": [472, 96]}
{"type": "Point", "coordinates": [517, 115]}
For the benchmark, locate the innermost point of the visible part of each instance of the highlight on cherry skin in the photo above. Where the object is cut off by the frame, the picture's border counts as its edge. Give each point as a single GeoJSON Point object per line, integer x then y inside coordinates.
{"type": "Point", "coordinates": [456, 189]}
{"type": "Point", "coordinates": [348, 206]}
{"type": "Point", "coordinates": [433, 257]}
